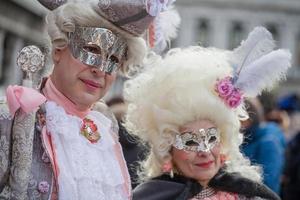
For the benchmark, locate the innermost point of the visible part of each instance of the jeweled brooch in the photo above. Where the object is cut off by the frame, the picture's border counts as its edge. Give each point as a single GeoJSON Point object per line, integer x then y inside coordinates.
{"type": "Point", "coordinates": [90, 130]}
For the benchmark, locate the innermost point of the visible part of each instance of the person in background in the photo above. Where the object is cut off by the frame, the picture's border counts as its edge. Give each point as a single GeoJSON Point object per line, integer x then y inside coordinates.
{"type": "Point", "coordinates": [291, 175]}
{"type": "Point", "coordinates": [264, 144]}
{"type": "Point", "coordinates": [272, 113]}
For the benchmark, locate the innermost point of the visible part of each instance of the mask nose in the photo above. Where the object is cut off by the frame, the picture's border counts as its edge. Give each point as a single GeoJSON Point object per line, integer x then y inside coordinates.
{"type": "Point", "coordinates": [97, 72]}
{"type": "Point", "coordinates": [102, 65]}
{"type": "Point", "coordinates": [203, 147]}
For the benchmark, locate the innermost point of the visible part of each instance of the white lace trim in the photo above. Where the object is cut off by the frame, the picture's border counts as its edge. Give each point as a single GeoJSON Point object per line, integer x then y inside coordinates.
{"type": "Point", "coordinates": [86, 171]}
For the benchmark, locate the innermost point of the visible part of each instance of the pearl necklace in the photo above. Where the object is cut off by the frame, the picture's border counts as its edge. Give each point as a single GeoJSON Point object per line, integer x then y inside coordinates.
{"type": "Point", "coordinates": [207, 192]}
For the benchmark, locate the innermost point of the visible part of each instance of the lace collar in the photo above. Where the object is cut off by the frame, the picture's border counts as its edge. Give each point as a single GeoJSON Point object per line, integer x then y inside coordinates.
{"type": "Point", "coordinates": [85, 170]}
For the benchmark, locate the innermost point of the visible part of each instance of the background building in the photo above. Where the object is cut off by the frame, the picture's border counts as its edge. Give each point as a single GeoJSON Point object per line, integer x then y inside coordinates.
{"type": "Point", "coordinates": [21, 24]}
{"type": "Point", "coordinates": [225, 23]}
{"type": "Point", "coordinates": [219, 23]}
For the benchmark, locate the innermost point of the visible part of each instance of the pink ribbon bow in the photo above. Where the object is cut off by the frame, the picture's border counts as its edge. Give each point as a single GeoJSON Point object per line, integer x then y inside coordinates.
{"type": "Point", "coordinates": [22, 97]}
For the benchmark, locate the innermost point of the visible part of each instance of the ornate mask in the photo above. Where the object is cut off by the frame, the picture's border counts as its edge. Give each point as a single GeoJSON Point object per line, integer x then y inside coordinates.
{"type": "Point", "coordinates": [201, 141]}
{"type": "Point", "coordinates": [98, 47]}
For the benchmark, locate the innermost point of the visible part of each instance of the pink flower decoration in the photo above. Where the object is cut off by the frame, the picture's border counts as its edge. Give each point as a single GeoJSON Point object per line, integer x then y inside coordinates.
{"type": "Point", "coordinates": [43, 187]}
{"type": "Point", "coordinates": [224, 87]}
{"type": "Point", "coordinates": [235, 99]}
{"type": "Point", "coordinates": [231, 96]}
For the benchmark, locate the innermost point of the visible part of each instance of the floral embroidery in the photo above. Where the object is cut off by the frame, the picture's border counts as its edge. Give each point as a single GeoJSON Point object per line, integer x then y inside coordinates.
{"type": "Point", "coordinates": [43, 187]}
{"type": "Point", "coordinates": [40, 120]}
{"type": "Point", "coordinates": [4, 147]}
{"type": "Point", "coordinates": [22, 139]}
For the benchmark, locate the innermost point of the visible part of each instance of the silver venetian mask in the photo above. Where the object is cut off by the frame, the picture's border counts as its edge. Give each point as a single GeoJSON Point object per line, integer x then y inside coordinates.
{"type": "Point", "coordinates": [98, 47]}
{"type": "Point", "coordinates": [201, 141]}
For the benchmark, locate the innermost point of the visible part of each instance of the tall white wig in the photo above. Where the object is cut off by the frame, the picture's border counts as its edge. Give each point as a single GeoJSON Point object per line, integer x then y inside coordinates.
{"type": "Point", "coordinates": [177, 90]}
{"type": "Point", "coordinates": [181, 88]}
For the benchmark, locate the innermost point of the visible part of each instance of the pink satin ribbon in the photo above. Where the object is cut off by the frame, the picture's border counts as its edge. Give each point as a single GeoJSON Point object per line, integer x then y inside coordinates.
{"type": "Point", "coordinates": [24, 98]}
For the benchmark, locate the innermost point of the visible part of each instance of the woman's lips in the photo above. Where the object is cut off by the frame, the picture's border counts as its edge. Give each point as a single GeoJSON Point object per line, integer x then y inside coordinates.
{"type": "Point", "coordinates": [205, 164]}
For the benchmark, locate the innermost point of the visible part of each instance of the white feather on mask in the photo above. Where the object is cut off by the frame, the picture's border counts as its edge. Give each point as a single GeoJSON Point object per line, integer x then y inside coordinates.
{"type": "Point", "coordinates": [263, 72]}
{"type": "Point", "coordinates": [259, 42]}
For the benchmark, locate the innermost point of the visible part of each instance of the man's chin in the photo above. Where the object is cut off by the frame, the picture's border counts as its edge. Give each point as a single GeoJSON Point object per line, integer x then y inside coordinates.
{"type": "Point", "coordinates": [90, 99]}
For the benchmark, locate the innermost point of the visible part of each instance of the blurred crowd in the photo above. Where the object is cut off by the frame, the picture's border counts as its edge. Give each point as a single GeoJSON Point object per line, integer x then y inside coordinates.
{"type": "Point", "coordinates": [284, 113]}
{"type": "Point", "coordinates": [272, 141]}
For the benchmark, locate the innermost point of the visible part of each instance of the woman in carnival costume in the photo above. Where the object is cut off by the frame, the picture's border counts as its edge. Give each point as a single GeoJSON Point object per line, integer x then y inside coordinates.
{"type": "Point", "coordinates": [188, 107]}
{"type": "Point", "coordinates": [54, 145]}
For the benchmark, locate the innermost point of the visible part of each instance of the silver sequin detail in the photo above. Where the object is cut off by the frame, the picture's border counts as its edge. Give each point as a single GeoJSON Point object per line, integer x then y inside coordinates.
{"type": "Point", "coordinates": [98, 47]}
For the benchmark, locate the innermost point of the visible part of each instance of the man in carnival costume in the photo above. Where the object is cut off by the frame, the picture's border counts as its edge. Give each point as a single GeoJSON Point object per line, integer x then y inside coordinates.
{"type": "Point", "coordinates": [188, 106]}
{"type": "Point", "coordinates": [54, 145]}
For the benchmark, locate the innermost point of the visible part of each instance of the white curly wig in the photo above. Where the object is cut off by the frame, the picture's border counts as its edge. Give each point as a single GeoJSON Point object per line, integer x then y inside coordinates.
{"type": "Point", "coordinates": [178, 89]}
{"type": "Point", "coordinates": [64, 19]}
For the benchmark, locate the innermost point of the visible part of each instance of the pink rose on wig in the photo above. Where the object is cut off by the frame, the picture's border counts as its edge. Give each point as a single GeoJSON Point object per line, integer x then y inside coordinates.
{"type": "Point", "coordinates": [224, 87]}
{"type": "Point", "coordinates": [226, 90]}
{"type": "Point", "coordinates": [235, 99]}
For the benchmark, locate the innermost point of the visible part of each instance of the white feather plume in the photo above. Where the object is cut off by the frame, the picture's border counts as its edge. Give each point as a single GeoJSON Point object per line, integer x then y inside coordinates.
{"type": "Point", "coordinates": [263, 73]}
{"type": "Point", "coordinates": [166, 25]}
{"type": "Point", "coordinates": [258, 43]}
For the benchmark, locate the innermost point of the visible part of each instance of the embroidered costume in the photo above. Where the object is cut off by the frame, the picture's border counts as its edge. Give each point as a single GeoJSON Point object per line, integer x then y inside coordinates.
{"type": "Point", "coordinates": [61, 153]}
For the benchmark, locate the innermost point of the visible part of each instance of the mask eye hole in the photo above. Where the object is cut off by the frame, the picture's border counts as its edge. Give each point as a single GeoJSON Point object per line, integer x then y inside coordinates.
{"type": "Point", "coordinates": [92, 48]}
{"type": "Point", "coordinates": [212, 139]}
{"type": "Point", "coordinates": [114, 59]}
{"type": "Point", "coordinates": [191, 143]}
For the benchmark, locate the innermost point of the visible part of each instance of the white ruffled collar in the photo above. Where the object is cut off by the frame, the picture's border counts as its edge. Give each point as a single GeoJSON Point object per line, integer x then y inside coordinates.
{"type": "Point", "coordinates": [86, 170]}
